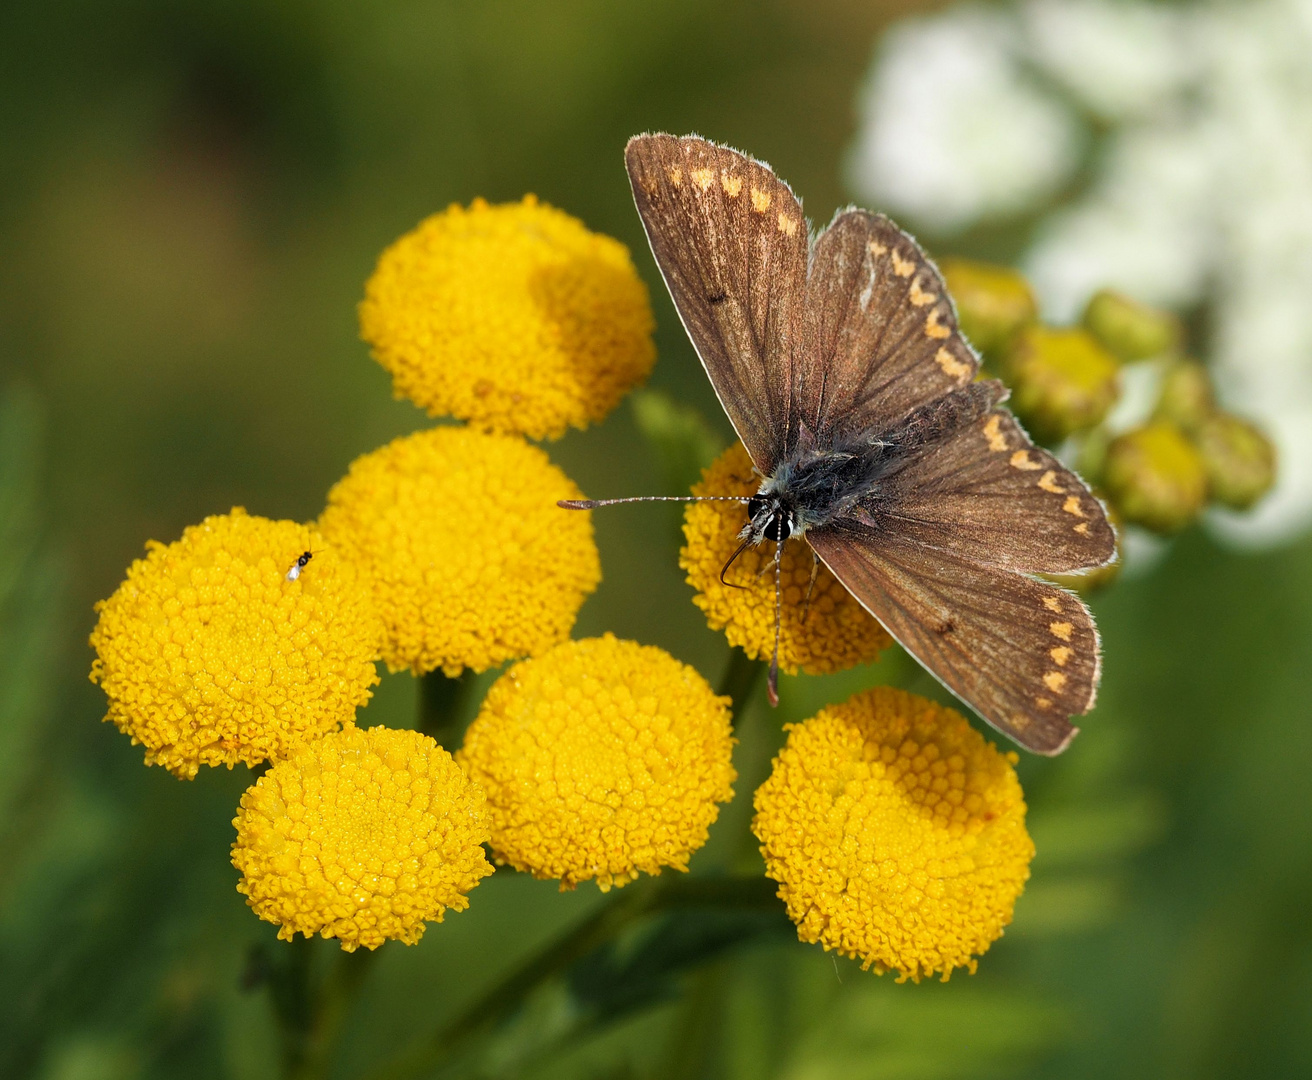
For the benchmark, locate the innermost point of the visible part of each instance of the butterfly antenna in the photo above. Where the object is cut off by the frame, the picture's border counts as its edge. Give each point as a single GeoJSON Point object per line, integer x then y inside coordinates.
{"type": "Point", "coordinates": [772, 683]}
{"type": "Point", "coordinates": [592, 504]}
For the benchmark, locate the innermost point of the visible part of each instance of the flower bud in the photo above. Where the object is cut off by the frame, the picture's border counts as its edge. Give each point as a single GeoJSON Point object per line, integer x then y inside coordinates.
{"type": "Point", "coordinates": [1186, 398]}
{"type": "Point", "coordinates": [1155, 477]}
{"type": "Point", "coordinates": [1062, 381]}
{"type": "Point", "coordinates": [1130, 330]}
{"type": "Point", "coordinates": [993, 302]}
{"type": "Point", "coordinates": [1239, 459]}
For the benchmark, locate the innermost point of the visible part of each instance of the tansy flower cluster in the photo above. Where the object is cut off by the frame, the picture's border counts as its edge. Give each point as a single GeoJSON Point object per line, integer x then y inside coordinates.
{"type": "Point", "coordinates": [255, 641]}
{"type": "Point", "coordinates": [601, 759]}
{"type": "Point", "coordinates": [895, 832]}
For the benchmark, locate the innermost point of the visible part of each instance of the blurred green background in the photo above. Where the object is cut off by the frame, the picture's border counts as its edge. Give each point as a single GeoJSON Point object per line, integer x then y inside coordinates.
{"type": "Point", "coordinates": [192, 197]}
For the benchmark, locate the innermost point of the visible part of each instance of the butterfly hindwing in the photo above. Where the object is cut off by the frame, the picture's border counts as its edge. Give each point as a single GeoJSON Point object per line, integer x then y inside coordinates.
{"type": "Point", "coordinates": [989, 495]}
{"type": "Point", "coordinates": [731, 242]}
{"type": "Point", "coordinates": [1022, 653]}
{"type": "Point", "coordinates": [880, 333]}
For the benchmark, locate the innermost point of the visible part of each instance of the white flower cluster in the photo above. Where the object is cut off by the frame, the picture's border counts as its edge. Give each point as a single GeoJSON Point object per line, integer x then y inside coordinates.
{"type": "Point", "coordinates": [1168, 152]}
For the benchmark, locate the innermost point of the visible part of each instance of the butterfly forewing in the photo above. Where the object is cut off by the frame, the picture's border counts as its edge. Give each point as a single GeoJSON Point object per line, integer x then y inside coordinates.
{"type": "Point", "coordinates": [731, 242]}
{"type": "Point", "coordinates": [1022, 653]}
{"type": "Point", "coordinates": [989, 495]}
{"type": "Point", "coordinates": [880, 333]}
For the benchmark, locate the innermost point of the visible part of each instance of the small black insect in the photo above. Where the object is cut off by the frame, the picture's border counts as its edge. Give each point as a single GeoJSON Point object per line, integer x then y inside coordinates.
{"type": "Point", "coordinates": [838, 360]}
{"type": "Point", "coordinates": [301, 561]}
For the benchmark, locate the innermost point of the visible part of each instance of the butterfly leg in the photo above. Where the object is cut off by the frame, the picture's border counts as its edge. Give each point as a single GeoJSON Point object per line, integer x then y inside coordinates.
{"type": "Point", "coordinates": [772, 683]}
{"type": "Point", "coordinates": [815, 572]}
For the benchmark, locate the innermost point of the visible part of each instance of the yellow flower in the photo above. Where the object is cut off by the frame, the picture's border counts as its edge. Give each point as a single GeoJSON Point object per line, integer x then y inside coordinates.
{"type": "Point", "coordinates": [835, 632]}
{"type": "Point", "coordinates": [472, 561]}
{"type": "Point", "coordinates": [209, 655]}
{"type": "Point", "coordinates": [601, 759]}
{"type": "Point", "coordinates": [515, 318]}
{"type": "Point", "coordinates": [361, 836]}
{"type": "Point", "coordinates": [896, 832]}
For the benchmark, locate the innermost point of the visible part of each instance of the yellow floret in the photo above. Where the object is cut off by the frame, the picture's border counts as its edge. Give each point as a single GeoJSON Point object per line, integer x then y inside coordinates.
{"type": "Point", "coordinates": [833, 633]}
{"type": "Point", "coordinates": [210, 656]}
{"type": "Point", "coordinates": [515, 318]}
{"type": "Point", "coordinates": [361, 836]}
{"type": "Point", "coordinates": [896, 832]}
{"type": "Point", "coordinates": [601, 759]}
{"type": "Point", "coordinates": [472, 561]}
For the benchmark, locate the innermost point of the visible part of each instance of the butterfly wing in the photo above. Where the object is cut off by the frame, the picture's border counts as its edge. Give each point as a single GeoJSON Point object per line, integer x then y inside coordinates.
{"type": "Point", "coordinates": [880, 333]}
{"type": "Point", "coordinates": [1022, 653]}
{"type": "Point", "coordinates": [987, 494]}
{"type": "Point", "coordinates": [731, 242]}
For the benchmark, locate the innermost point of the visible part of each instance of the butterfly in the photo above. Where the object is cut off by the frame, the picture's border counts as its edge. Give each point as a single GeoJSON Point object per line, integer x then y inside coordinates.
{"type": "Point", "coordinates": [839, 362]}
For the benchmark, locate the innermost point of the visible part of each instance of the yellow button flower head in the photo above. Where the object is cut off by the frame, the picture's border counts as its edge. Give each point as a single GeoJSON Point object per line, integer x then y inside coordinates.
{"type": "Point", "coordinates": [515, 318]}
{"type": "Point", "coordinates": [835, 632]}
{"type": "Point", "coordinates": [473, 563]}
{"type": "Point", "coordinates": [210, 655]}
{"type": "Point", "coordinates": [896, 832]}
{"type": "Point", "coordinates": [601, 759]}
{"type": "Point", "coordinates": [361, 836]}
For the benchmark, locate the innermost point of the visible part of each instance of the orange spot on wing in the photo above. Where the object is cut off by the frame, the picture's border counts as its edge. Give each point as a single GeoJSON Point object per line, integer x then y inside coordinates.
{"type": "Point", "coordinates": [676, 176]}
{"type": "Point", "coordinates": [919, 297]}
{"type": "Point", "coordinates": [952, 367]}
{"type": "Point", "coordinates": [932, 328]}
{"type": "Point", "coordinates": [1061, 630]}
{"type": "Point", "coordinates": [1021, 460]}
{"type": "Point", "coordinates": [703, 178]}
{"type": "Point", "coordinates": [901, 267]}
{"type": "Point", "coordinates": [1048, 481]}
{"type": "Point", "coordinates": [733, 185]}
{"type": "Point", "coordinates": [997, 441]}
{"type": "Point", "coordinates": [1043, 702]}
{"type": "Point", "coordinates": [877, 249]}
{"type": "Point", "coordinates": [1082, 528]}
{"type": "Point", "coordinates": [760, 200]}
{"type": "Point", "coordinates": [1060, 654]}
{"type": "Point", "coordinates": [787, 225]}
{"type": "Point", "coordinates": [1072, 506]}
{"type": "Point", "coordinates": [1054, 681]}
{"type": "Point", "coordinates": [1052, 603]}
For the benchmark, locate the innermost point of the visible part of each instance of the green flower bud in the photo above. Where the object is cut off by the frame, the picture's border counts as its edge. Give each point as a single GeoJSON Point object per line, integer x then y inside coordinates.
{"type": "Point", "coordinates": [1186, 396]}
{"type": "Point", "coordinates": [993, 302]}
{"type": "Point", "coordinates": [1129, 329]}
{"type": "Point", "coordinates": [1239, 459]}
{"type": "Point", "coordinates": [1155, 477]}
{"type": "Point", "coordinates": [1062, 381]}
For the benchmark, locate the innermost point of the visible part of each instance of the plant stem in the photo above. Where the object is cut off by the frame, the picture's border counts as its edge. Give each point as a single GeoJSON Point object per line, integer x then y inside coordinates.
{"type": "Point", "coordinates": [621, 910]}
{"type": "Point", "coordinates": [443, 704]}
{"type": "Point", "coordinates": [740, 679]}
{"type": "Point", "coordinates": [311, 1011]}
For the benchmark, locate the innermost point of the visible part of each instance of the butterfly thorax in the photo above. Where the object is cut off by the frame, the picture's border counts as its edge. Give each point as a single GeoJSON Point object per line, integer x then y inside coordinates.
{"type": "Point", "coordinates": [816, 485]}
{"type": "Point", "coordinates": [814, 488]}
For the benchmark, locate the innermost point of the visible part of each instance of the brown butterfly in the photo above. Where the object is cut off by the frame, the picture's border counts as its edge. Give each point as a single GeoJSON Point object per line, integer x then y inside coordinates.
{"type": "Point", "coordinates": [839, 362]}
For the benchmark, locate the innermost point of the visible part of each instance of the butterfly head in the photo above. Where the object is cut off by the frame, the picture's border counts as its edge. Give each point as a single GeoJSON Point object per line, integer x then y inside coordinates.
{"type": "Point", "coordinates": [768, 518]}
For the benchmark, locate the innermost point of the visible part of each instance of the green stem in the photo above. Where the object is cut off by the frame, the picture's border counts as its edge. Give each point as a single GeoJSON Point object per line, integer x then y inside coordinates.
{"type": "Point", "coordinates": [444, 705]}
{"type": "Point", "coordinates": [310, 1011]}
{"type": "Point", "coordinates": [740, 679]}
{"type": "Point", "coordinates": [622, 909]}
